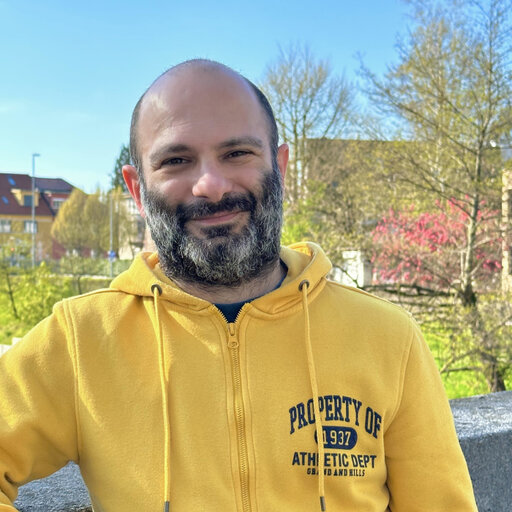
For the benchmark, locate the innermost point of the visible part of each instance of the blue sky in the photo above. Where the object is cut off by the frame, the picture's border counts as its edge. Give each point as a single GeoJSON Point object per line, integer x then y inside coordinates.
{"type": "Point", "coordinates": [71, 72]}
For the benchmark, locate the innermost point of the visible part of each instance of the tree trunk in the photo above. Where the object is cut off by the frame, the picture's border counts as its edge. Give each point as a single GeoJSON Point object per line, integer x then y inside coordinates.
{"type": "Point", "coordinates": [468, 294]}
{"type": "Point", "coordinates": [494, 375]}
{"type": "Point", "coordinates": [10, 293]}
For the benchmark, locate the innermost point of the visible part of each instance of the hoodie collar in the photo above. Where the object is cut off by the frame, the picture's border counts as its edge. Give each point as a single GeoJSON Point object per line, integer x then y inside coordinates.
{"type": "Point", "coordinates": [304, 260]}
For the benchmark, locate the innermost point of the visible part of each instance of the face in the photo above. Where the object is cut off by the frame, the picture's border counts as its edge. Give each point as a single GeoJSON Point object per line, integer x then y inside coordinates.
{"type": "Point", "coordinates": [212, 195]}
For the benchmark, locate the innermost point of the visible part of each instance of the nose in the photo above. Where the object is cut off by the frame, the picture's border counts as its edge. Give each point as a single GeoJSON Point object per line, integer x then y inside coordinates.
{"type": "Point", "coordinates": [211, 183]}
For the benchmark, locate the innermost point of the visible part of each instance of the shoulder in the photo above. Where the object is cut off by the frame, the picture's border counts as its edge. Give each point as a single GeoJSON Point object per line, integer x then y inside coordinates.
{"type": "Point", "coordinates": [362, 302]}
{"type": "Point", "coordinates": [367, 323]}
{"type": "Point", "coordinates": [103, 306]}
{"type": "Point", "coordinates": [85, 300]}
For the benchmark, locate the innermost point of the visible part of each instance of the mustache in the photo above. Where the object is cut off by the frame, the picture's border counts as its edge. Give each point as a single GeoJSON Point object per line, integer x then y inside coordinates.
{"type": "Point", "coordinates": [229, 203]}
{"type": "Point", "coordinates": [159, 209]}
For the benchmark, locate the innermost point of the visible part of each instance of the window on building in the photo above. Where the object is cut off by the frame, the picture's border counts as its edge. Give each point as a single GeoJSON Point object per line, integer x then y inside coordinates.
{"type": "Point", "coordinates": [57, 203]}
{"type": "Point", "coordinates": [27, 200]}
{"type": "Point", "coordinates": [29, 227]}
{"type": "Point", "coordinates": [5, 226]}
{"type": "Point", "coordinates": [5, 200]}
{"type": "Point", "coordinates": [132, 207]}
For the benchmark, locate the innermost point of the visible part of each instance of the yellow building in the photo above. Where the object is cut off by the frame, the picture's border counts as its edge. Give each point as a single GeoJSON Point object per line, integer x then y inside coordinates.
{"type": "Point", "coordinates": [16, 227]}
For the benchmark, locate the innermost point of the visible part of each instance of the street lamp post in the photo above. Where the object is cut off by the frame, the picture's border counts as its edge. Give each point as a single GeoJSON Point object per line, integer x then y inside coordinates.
{"type": "Point", "coordinates": [111, 245]}
{"type": "Point", "coordinates": [33, 223]}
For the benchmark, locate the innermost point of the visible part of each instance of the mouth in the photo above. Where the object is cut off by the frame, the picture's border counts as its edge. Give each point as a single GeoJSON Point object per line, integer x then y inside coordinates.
{"type": "Point", "coordinates": [221, 217]}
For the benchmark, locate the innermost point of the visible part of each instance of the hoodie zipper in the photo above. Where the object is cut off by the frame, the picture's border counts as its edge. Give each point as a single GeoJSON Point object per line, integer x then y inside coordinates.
{"type": "Point", "coordinates": [243, 464]}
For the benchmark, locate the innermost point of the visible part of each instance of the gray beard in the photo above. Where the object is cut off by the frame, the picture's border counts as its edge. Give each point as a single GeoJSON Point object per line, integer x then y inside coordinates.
{"type": "Point", "coordinates": [221, 258]}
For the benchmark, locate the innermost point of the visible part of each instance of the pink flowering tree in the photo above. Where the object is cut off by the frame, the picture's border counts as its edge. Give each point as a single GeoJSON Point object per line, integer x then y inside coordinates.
{"type": "Point", "coordinates": [425, 255]}
{"type": "Point", "coordinates": [429, 250]}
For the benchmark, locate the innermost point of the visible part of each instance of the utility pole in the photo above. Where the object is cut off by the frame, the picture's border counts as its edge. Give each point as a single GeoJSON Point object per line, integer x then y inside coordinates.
{"type": "Point", "coordinates": [33, 223]}
{"type": "Point", "coordinates": [111, 247]}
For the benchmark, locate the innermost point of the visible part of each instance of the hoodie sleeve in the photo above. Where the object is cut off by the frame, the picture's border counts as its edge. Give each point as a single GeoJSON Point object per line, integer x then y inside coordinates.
{"type": "Point", "coordinates": [426, 468]}
{"type": "Point", "coordinates": [38, 427]}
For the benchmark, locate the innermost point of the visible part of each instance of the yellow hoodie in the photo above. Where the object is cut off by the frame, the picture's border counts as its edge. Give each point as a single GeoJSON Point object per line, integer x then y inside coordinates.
{"type": "Point", "coordinates": [158, 398]}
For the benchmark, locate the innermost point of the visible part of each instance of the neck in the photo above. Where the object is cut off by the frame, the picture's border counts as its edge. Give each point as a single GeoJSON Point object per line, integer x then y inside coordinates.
{"type": "Point", "coordinates": [256, 287]}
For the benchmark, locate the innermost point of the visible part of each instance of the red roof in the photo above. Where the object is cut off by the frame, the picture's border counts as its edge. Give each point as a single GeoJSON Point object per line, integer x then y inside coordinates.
{"type": "Point", "coordinates": [54, 185]}
{"type": "Point", "coordinates": [9, 204]}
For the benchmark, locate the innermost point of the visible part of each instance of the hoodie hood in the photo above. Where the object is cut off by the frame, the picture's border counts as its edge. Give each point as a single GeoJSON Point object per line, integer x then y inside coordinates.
{"type": "Point", "coordinates": [305, 261]}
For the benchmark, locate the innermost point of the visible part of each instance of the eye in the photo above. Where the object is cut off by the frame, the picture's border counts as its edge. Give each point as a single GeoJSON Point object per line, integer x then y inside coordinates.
{"type": "Point", "coordinates": [238, 153]}
{"type": "Point", "coordinates": [177, 160]}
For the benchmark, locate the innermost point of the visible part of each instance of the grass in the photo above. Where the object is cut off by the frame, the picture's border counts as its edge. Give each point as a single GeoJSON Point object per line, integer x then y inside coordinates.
{"type": "Point", "coordinates": [30, 308]}
{"type": "Point", "coordinates": [458, 384]}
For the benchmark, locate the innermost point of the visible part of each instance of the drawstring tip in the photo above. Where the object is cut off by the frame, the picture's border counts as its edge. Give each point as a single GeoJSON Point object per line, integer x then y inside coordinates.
{"type": "Point", "coordinates": [322, 504]}
{"type": "Point", "coordinates": [167, 506]}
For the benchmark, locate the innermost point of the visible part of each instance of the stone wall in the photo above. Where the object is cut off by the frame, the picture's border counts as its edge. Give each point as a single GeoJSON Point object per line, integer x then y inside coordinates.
{"type": "Point", "coordinates": [484, 426]}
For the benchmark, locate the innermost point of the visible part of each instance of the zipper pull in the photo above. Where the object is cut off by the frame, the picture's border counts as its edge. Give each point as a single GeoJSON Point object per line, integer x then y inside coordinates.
{"type": "Point", "coordinates": [232, 341]}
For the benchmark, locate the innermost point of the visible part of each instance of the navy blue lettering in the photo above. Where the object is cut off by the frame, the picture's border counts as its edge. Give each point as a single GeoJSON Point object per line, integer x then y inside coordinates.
{"type": "Point", "coordinates": [293, 419]}
{"type": "Point", "coordinates": [321, 403]}
{"type": "Point", "coordinates": [311, 411]}
{"type": "Point", "coordinates": [347, 401]}
{"type": "Point", "coordinates": [368, 422]}
{"type": "Point", "coordinates": [328, 407]}
{"type": "Point", "coordinates": [376, 424]}
{"type": "Point", "coordinates": [363, 461]}
{"type": "Point", "coordinates": [373, 422]}
{"type": "Point", "coordinates": [301, 414]}
{"type": "Point", "coordinates": [333, 408]}
{"type": "Point", "coordinates": [337, 408]}
{"type": "Point", "coordinates": [357, 406]}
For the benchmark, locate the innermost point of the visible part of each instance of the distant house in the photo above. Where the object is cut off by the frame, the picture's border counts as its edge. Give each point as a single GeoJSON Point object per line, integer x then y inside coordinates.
{"type": "Point", "coordinates": [136, 242]}
{"type": "Point", "coordinates": [506, 240]}
{"type": "Point", "coordinates": [16, 226]}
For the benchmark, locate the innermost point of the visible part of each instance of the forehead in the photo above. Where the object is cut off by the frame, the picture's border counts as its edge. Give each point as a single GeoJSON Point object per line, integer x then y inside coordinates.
{"type": "Point", "coordinates": [202, 104]}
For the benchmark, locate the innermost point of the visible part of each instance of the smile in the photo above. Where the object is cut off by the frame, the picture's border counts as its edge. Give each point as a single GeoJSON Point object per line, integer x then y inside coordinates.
{"type": "Point", "coordinates": [217, 218]}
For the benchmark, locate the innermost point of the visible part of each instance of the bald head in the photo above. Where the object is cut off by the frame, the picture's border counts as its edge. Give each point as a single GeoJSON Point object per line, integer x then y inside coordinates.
{"type": "Point", "coordinates": [195, 69]}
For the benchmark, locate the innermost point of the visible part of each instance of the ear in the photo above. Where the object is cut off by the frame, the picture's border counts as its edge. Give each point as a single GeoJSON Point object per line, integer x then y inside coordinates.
{"type": "Point", "coordinates": [283, 152]}
{"type": "Point", "coordinates": [132, 180]}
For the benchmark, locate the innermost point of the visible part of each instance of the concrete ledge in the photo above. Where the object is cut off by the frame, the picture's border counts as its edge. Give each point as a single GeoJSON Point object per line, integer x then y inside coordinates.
{"type": "Point", "coordinates": [64, 491]}
{"type": "Point", "coordinates": [484, 427]}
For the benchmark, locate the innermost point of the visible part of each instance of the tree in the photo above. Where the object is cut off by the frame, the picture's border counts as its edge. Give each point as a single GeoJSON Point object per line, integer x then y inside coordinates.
{"type": "Point", "coordinates": [78, 268]}
{"type": "Point", "coordinates": [124, 225]}
{"type": "Point", "coordinates": [69, 227]}
{"type": "Point", "coordinates": [116, 176]}
{"type": "Point", "coordinates": [309, 101]}
{"type": "Point", "coordinates": [451, 94]}
{"type": "Point", "coordinates": [426, 249]}
{"type": "Point", "coordinates": [90, 222]}
{"type": "Point", "coordinates": [449, 98]}
{"type": "Point", "coordinates": [418, 255]}
{"type": "Point", "coordinates": [7, 287]}
{"type": "Point", "coordinates": [26, 297]}
{"type": "Point", "coordinates": [96, 223]}
{"type": "Point", "coordinates": [328, 179]}
{"type": "Point", "coordinates": [37, 292]}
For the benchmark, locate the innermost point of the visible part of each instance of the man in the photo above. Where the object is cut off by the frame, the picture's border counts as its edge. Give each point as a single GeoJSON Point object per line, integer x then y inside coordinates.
{"type": "Point", "coordinates": [205, 377]}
